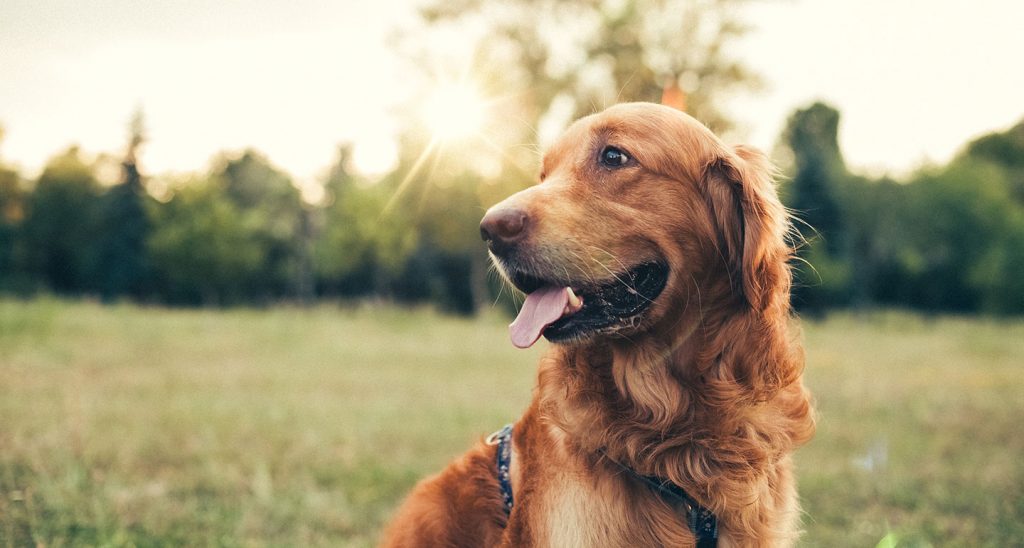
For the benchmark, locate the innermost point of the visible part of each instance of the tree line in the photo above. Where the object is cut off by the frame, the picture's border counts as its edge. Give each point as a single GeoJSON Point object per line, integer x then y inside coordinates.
{"type": "Point", "coordinates": [237, 234]}
{"type": "Point", "coordinates": [947, 238]}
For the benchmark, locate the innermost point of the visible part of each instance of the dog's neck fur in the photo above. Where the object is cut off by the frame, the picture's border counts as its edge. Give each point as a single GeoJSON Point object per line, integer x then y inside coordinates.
{"type": "Point", "coordinates": [684, 408]}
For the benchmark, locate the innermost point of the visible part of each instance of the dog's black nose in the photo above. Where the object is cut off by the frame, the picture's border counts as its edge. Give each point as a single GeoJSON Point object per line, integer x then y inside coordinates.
{"type": "Point", "coordinates": [501, 228]}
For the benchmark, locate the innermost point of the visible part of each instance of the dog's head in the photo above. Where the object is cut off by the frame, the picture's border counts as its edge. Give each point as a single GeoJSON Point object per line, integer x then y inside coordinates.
{"type": "Point", "coordinates": [642, 214]}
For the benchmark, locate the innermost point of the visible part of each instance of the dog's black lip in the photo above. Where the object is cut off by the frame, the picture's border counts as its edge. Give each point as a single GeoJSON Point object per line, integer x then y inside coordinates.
{"type": "Point", "coordinates": [608, 306]}
{"type": "Point", "coordinates": [528, 283]}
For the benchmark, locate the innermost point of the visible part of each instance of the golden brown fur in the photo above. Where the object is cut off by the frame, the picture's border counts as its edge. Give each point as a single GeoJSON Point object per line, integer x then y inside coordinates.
{"type": "Point", "coordinates": [705, 390]}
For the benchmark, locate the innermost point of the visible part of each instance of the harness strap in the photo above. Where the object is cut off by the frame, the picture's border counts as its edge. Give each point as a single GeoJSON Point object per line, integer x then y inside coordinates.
{"type": "Point", "coordinates": [700, 520]}
{"type": "Point", "coordinates": [503, 439]}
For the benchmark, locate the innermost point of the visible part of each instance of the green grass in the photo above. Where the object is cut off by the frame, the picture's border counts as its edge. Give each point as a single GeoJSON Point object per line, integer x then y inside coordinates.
{"type": "Point", "coordinates": [142, 426]}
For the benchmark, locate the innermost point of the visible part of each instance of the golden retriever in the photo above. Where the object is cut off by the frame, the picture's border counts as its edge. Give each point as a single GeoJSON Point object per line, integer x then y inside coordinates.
{"type": "Point", "coordinates": [655, 258]}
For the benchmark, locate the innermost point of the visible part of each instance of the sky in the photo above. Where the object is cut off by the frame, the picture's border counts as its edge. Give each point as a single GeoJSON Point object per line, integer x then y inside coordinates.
{"type": "Point", "coordinates": [914, 80]}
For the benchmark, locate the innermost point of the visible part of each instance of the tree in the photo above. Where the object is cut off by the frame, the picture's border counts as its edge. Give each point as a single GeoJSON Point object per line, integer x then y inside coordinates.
{"type": "Point", "coordinates": [1006, 150]}
{"type": "Point", "coordinates": [203, 249]}
{"type": "Point", "coordinates": [948, 239]}
{"type": "Point", "coordinates": [814, 191]}
{"type": "Point", "coordinates": [271, 206]}
{"type": "Point", "coordinates": [12, 212]}
{"type": "Point", "coordinates": [876, 221]}
{"type": "Point", "coordinates": [956, 217]}
{"type": "Point", "coordinates": [997, 274]}
{"type": "Point", "coordinates": [590, 53]}
{"type": "Point", "coordinates": [61, 225]}
{"type": "Point", "coordinates": [361, 249]}
{"type": "Point", "coordinates": [818, 186]}
{"type": "Point", "coordinates": [450, 260]}
{"type": "Point", "coordinates": [125, 226]}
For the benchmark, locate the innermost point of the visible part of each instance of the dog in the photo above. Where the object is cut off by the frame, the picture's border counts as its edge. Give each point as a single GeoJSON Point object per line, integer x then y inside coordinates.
{"type": "Point", "coordinates": [655, 259]}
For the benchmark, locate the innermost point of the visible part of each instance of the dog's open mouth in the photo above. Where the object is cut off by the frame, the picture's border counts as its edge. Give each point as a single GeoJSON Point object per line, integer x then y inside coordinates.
{"type": "Point", "coordinates": [564, 312]}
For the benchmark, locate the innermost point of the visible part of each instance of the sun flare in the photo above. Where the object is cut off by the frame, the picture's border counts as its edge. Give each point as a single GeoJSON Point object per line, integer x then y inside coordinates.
{"type": "Point", "coordinates": [454, 111]}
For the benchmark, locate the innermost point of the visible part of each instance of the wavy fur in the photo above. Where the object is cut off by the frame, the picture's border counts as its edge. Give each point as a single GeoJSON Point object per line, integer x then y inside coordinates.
{"type": "Point", "coordinates": [705, 391]}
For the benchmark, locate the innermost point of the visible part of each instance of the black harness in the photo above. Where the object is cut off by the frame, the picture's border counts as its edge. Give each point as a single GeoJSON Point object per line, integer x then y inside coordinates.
{"type": "Point", "coordinates": [700, 520]}
{"type": "Point", "coordinates": [503, 439]}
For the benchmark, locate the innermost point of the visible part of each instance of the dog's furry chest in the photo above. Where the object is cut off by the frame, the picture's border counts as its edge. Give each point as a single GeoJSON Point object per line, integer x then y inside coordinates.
{"type": "Point", "coordinates": [584, 506]}
{"type": "Point", "coordinates": [577, 514]}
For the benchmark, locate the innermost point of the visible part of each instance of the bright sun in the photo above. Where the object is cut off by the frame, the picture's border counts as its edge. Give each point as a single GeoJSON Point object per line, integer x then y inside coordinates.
{"type": "Point", "coordinates": [454, 111]}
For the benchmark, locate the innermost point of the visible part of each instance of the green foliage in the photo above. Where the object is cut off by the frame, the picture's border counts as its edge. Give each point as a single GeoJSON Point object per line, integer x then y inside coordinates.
{"type": "Point", "coordinates": [945, 240]}
{"type": "Point", "coordinates": [412, 236]}
{"type": "Point", "coordinates": [821, 279]}
{"type": "Point", "coordinates": [954, 216]}
{"type": "Point", "coordinates": [203, 248]}
{"type": "Point", "coordinates": [816, 188]}
{"type": "Point", "coordinates": [272, 210]}
{"type": "Point", "coordinates": [997, 274]}
{"type": "Point", "coordinates": [449, 262]}
{"type": "Point", "coordinates": [361, 249]}
{"type": "Point", "coordinates": [1005, 150]}
{"type": "Point", "coordinates": [252, 183]}
{"type": "Point", "coordinates": [948, 239]}
{"type": "Point", "coordinates": [815, 193]}
{"type": "Point", "coordinates": [124, 228]}
{"type": "Point", "coordinates": [892, 540]}
{"type": "Point", "coordinates": [62, 215]}
{"type": "Point", "coordinates": [12, 212]}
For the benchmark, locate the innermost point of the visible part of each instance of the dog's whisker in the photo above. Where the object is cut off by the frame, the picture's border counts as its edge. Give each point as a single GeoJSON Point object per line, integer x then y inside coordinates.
{"type": "Point", "coordinates": [629, 286]}
{"type": "Point", "coordinates": [811, 266]}
{"type": "Point", "coordinates": [579, 266]}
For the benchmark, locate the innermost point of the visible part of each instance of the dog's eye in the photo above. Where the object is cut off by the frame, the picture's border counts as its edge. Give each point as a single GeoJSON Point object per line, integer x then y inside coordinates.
{"type": "Point", "coordinates": [613, 157]}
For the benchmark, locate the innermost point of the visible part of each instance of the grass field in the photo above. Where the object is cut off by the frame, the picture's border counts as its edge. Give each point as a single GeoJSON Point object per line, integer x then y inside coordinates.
{"type": "Point", "coordinates": [140, 426]}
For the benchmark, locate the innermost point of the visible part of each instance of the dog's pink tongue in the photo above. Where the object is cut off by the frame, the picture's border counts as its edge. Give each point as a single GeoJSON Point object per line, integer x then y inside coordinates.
{"type": "Point", "coordinates": [542, 308]}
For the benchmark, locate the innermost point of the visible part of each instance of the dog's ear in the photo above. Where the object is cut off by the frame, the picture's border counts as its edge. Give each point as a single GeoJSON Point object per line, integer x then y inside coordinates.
{"type": "Point", "coordinates": [751, 224]}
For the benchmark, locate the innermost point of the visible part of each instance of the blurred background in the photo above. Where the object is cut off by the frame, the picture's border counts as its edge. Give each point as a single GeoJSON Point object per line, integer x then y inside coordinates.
{"type": "Point", "coordinates": [243, 299]}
